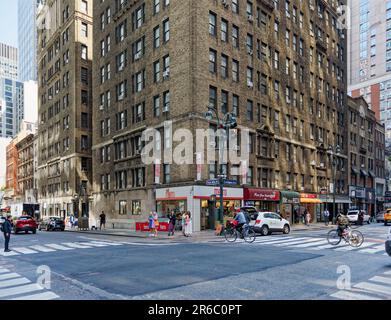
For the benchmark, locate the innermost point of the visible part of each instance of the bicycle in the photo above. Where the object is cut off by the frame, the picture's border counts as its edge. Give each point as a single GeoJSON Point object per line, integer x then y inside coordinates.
{"type": "Point", "coordinates": [353, 237]}
{"type": "Point", "coordinates": [231, 233]}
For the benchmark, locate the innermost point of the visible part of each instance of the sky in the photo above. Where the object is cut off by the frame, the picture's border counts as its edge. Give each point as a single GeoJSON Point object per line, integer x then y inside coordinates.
{"type": "Point", "coordinates": [9, 22]}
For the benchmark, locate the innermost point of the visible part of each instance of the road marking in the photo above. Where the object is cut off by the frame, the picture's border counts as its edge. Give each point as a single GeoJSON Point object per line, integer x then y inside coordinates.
{"type": "Point", "coordinates": [348, 295]}
{"type": "Point", "coordinates": [297, 242]}
{"type": "Point", "coordinates": [75, 245]}
{"type": "Point", "coordinates": [4, 270]}
{"type": "Point", "coordinates": [19, 290]}
{"type": "Point", "coordinates": [374, 288]}
{"type": "Point", "coordinates": [327, 246]}
{"type": "Point", "coordinates": [14, 282]}
{"type": "Point", "coordinates": [387, 272]}
{"type": "Point", "coordinates": [282, 241]}
{"type": "Point", "coordinates": [42, 248]}
{"type": "Point", "coordinates": [8, 254]}
{"type": "Point", "coordinates": [381, 280]}
{"type": "Point", "coordinates": [58, 247]}
{"type": "Point", "coordinates": [267, 240]}
{"type": "Point", "coordinates": [39, 296]}
{"type": "Point", "coordinates": [9, 276]}
{"type": "Point", "coordinates": [24, 250]}
{"type": "Point", "coordinates": [349, 248]}
{"type": "Point", "coordinates": [306, 245]}
{"type": "Point", "coordinates": [106, 243]}
{"type": "Point", "coordinates": [374, 249]}
{"type": "Point", "coordinates": [95, 244]}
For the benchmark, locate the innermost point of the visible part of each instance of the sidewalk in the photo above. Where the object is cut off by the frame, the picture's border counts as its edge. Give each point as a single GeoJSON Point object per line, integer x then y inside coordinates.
{"type": "Point", "coordinates": [196, 236]}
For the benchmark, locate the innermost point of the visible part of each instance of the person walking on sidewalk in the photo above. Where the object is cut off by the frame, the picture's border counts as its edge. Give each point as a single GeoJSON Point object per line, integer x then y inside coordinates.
{"type": "Point", "coordinates": [188, 225]}
{"type": "Point", "coordinates": [102, 220]}
{"type": "Point", "coordinates": [152, 226]}
{"type": "Point", "coordinates": [307, 217]}
{"type": "Point", "coordinates": [7, 228]}
{"type": "Point", "coordinates": [326, 215]}
{"type": "Point", "coordinates": [183, 222]}
{"type": "Point", "coordinates": [171, 226]}
{"type": "Point", "coordinates": [156, 220]}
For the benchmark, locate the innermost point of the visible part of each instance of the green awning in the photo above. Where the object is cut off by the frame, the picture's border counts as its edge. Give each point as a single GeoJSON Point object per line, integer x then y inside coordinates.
{"type": "Point", "coordinates": [290, 197]}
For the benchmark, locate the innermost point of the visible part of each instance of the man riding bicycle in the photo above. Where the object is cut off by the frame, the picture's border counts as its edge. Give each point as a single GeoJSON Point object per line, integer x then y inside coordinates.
{"type": "Point", "coordinates": [342, 222]}
{"type": "Point", "coordinates": [241, 220]}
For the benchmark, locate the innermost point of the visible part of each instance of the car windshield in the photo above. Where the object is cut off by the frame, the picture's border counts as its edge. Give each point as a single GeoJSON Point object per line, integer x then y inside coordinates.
{"type": "Point", "coordinates": [24, 218]}
{"type": "Point", "coordinates": [54, 218]}
{"type": "Point", "coordinates": [352, 213]}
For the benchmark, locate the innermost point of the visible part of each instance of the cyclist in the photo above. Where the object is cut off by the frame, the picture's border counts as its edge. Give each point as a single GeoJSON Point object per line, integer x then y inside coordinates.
{"type": "Point", "coordinates": [241, 219]}
{"type": "Point", "coordinates": [342, 222]}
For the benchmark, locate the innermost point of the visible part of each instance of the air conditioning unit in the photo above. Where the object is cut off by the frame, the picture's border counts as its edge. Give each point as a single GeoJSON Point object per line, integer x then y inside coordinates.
{"type": "Point", "coordinates": [101, 107]}
{"type": "Point", "coordinates": [137, 55]}
{"type": "Point", "coordinates": [250, 84]}
{"type": "Point", "coordinates": [166, 109]}
{"type": "Point", "coordinates": [321, 165]}
{"type": "Point", "coordinates": [313, 163]}
{"type": "Point", "coordinates": [166, 74]}
{"type": "Point", "coordinates": [250, 18]}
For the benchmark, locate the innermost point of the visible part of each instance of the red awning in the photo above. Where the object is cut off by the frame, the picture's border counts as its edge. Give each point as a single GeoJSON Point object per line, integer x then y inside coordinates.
{"type": "Point", "coordinates": [261, 194]}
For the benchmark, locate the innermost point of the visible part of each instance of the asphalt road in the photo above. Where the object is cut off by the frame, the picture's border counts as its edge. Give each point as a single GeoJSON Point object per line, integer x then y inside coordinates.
{"type": "Point", "coordinates": [298, 266]}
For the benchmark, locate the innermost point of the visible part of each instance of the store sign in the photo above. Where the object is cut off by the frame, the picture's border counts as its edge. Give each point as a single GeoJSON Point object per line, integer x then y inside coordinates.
{"type": "Point", "coordinates": [199, 166]}
{"type": "Point", "coordinates": [170, 194]}
{"type": "Point", "coordinates": [157, 171]}
{"type": "Point", "coordinates": [260, 194]}
{"type": "Point", "coordinates": [308, 196]}
{"type": "Point", "coordinates": [217, 192]}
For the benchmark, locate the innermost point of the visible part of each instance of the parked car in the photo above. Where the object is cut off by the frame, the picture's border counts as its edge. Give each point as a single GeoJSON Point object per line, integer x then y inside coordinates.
{"type": "Point", "coordinates": [387, 217]}
{"type": "Point", "coordinates": [26, 224]}
{"type": "Point", "coordinates": [269, 222]}
{"type": "Point", "coordinates": [388, 243]}
{"type": "Point", "coordinates": [380, 216]}
{"type": "Point", "coordinates": [52, 224]}
{"type": "Point", "coordinates": [251, 212]}
{"type": "Point", "coordinates": [353, 216]}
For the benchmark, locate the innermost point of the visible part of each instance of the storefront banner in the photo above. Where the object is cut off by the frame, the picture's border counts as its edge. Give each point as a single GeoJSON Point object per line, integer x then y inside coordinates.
{"type": "Point", "coordinates": [199, 166]}
{"type": "Point", "coordinates": [157, 171]}
{"type": "Point", "coordinates": [261, 194]}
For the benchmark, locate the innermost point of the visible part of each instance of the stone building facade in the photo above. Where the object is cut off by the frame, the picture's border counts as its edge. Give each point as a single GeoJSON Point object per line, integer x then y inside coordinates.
{"type": "Point", "coordinates": [280, 66]}
{"type": "Point", "coordinates": [65, 106]}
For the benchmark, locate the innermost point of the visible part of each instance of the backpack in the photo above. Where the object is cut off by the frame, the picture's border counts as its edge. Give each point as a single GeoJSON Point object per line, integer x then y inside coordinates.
{"type": "Point", "coordinates": [1, 228]}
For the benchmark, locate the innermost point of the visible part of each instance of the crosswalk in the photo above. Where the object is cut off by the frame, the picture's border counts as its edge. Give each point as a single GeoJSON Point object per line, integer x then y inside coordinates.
{"type": "Point", "coordinates": [376, 288]}
{"type": "Point", "coordinates": [315, 244]}
{"type": "Point", "coordinates": [13, 286]}
{"type": "Point", "coordinates": [58, 247]}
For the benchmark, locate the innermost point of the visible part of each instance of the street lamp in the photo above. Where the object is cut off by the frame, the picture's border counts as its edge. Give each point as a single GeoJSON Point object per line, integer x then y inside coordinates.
{"type": "Point", "coordinates": [334, 154]}
{"type": "Point", "coordinates": [228, 122]}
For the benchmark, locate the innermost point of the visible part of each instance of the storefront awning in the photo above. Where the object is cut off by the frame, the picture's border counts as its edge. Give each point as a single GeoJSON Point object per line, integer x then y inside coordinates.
{"type": "Point", "coordinates": [355, 171]}
{"type": "Point", "coordinates": [364, 173]}
{"type": "Point", "coordinates": [261, 194]}
{"type": "Point", "coordinates": [311, 201]}
{"type": "Point", "coordinates": [372, 174]}
{"type": "Point", "coordinates": [290, 197]}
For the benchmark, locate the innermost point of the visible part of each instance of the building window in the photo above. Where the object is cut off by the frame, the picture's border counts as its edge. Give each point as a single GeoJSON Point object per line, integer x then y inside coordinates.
{"type": "Point", "coordinates": [167, 173]}
{"type": "Point", "coordinates": [212, 61]}
{"type": "Point", "coordinates": [84, 52]}
{"type": "Point", "coordinates": [136, 207]}
{"type": "Point", "coordinates": [123, 207]}
{"type": "Point", "coordinates": [212, 24]}
{"type": "Point", "coordinates": [166, 30]}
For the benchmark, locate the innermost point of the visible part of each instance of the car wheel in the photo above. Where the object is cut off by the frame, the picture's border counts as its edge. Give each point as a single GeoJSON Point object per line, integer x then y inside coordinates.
{"type": "Point", "coordinates": [264, 230]}
{"type": "Point", "coordinates": [34, 231]}
{"type": "Point", "coordinates": [63, 229]}
{"type": "Point", "coordinates": [368, 222]}
{"type": "Point", "coordinates": [385, 223]}
{"type": "Point", "coordinates": [286, 229]}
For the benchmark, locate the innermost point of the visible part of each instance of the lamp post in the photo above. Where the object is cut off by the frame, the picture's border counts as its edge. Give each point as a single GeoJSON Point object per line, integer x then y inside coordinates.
{"type": "Point", "coordinates": [227, 122]}
{"type": "Point", "coordinates": [334, 154]}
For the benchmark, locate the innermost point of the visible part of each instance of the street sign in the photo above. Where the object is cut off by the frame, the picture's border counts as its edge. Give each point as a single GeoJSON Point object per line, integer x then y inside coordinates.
{"type": "Point", "coordinates": [215, 182]}
{"type": "Point", "coordinates": [230, 182]}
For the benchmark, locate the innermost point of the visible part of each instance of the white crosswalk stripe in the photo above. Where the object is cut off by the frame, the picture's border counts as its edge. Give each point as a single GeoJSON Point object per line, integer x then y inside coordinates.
{"type": "Point", "coordinates": [311, 244]}
{"type": "Point", "coordinates": [42, 248]}
{"type": "Point", "coordinates": [349, 248]}
{"type": "Point", "coordinates": [297, 242]}
{"type": "Point", "coordinates": [374, 249]}
{"type": "Point", "coordinates": [282, 241]}
{"type": "Point", "coordinates": [348, 295]}
{"type": "Point", "coordinates": [15, 287]}
{"type": "Point", "coordinates": [75, 245]}
{"type": "Point", "coordinates": [8, 254]}
{"type": "Point", "coordinates": [24, 250]}
{"type": "Point", "coordinates": [58, 247]}
{"type": "Point", "coordinates": [374, 287]}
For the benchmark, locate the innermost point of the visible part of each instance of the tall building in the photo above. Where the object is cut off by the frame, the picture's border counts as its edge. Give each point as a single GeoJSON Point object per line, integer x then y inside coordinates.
{"type": "Point", "coordinates": [64, 107]}
{"type": "Point", "coordinates": [279, 66]}
{"type": "Point", "coordinates": [27, 39]}
{"type": "Point", "coordinates": [370, 57]}
{"type": "Point", "coordinates": [8, 62]}
{"type": "Point", "coordinates": [11, 107]}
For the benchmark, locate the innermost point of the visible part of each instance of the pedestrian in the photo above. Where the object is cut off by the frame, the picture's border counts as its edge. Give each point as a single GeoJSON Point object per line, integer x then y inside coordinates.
{"type": "Point", "coordinates": [156, 220]}
{"type": "Point", "coordinates": [360, 219]}
{"type": "Point", "coordinates": [171, 227]}
{"type": "Point", "coordinates": [102, 220]}
{"type": "Point", "coordinates": [188, 225]}
{"type": "Point", "coordinates": [151, 224]}
{"type": "Point", "coordinates": [72, 221]}
{"type": "Point", "coordinates": [307, 217]}
{"type": "Point", "coordinates": [326, 215]}
{"type": "Point", "coordinates": [183, 222]}
{"type": "Point", "coordinates": [6, 228]}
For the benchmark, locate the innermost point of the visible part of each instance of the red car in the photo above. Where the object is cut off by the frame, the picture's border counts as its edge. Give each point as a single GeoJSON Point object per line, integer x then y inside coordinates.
{"type": "Point", "coordinates": [26, 224]}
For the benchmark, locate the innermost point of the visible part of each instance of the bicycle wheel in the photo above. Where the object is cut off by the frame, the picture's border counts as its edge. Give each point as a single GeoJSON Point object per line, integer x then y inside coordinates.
{"type": "Point", "coordinates": [333, 237]}
{"type": "Point", "coordinates": [356, 238]}
{"type": "Point", "coordinates": [230, 235]}
{"type": "Point", "coordinates": [249, 235]}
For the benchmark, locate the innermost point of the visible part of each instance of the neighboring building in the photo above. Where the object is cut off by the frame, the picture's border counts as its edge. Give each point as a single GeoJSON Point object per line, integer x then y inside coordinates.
{"type": "Point", "coordinates": [19, 193]}
{"type": "Point", "coordinates": [11, 107]}
{"type": "Point", "coordinates": [29, 102]}
{"type": "Point", "coordinates": [362, 154]}
{"type": "Point", "coordinates": [280, 66]}
{"type": "Point", "coordinates": [8, 62]}
{"type": "Point", "coordinates": [27, 39]}
{"type": "Point", "coordinates": [370, 57]}
{"type": "Point", "coordinates": [3, 161]}
{"type": "Point", "coordinates": [64, 107]}
{"type": "Point", "coordinates": [380, 164]}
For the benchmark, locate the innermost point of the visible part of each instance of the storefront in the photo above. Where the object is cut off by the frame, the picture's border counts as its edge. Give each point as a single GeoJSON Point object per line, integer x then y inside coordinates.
{"type": "Point", "coordinates": [370, 199]}
{"type": "Point", "coordinates": [310, 202]}
{"type": "Point", "coordinates": [289, 205]}
{"type": "Point", "coordinates": [262, 199]}
{"type": "Point", "coordinates": [357, 196]}
{"type": "Point", "coordinates": [202, 201]}
{"type": "Point", "coordinates": [342, 202]}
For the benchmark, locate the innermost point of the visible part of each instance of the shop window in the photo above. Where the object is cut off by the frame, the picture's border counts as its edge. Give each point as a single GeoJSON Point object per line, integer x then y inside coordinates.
{"type": "Point", "coordinates": [123, 207]}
